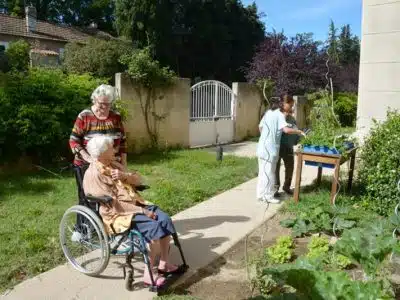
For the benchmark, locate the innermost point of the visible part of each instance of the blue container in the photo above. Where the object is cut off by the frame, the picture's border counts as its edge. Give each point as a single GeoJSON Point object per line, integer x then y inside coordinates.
{"type": "Point", "coordinates": [348, 145]}
{"type": "Point", "coordinates": [322, 150]}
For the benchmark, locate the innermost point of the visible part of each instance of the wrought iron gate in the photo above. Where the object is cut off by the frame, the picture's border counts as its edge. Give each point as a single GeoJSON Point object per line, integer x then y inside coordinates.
{"type": "Point", "coordinates": [211, 113]}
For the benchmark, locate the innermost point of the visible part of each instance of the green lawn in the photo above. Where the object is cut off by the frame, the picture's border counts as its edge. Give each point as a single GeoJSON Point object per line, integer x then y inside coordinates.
{"type": "Point", "coordinates": [31, 206]}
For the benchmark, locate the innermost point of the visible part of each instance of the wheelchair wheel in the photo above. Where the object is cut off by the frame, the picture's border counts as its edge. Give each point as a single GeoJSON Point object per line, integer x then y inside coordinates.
{"type": "Point", "coordinates": [84, 241]}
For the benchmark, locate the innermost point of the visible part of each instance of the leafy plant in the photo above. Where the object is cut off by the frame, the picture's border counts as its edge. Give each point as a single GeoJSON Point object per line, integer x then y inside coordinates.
{"type": "Point", "coordinates": [282, 251]}
{"type": "Point", "coordinates": [300, 227]}
{"type": "Point", "coordinates": [367, 246]}
{"type": "Point", "coordinates": [18, 55]}
{"type": "Point", "coordinates": [317, 247]}
{"type": "Point", "coordinates": [97, 57]}
{"type": "Point", "coordinates": [339, 261]}
{"type": "Point", "coordinates": [311, 283]}
{"type": "Point", "coordinates": [380, 165]}
{"type": "Point", "coordinates": [319, 219]}
{"type": "Point", "coordinates": [345, 105]}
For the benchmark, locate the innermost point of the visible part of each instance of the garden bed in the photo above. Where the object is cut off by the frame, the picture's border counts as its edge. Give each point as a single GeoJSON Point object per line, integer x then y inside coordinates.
{"type": "Point", "coordinates": [31, 206]}
{"type": "Point", "coordinates": [227, 277]}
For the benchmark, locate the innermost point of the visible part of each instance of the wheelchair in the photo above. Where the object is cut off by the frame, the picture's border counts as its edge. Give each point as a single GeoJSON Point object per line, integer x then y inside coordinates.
{"type": "Point", "coordinates": [82, 230]}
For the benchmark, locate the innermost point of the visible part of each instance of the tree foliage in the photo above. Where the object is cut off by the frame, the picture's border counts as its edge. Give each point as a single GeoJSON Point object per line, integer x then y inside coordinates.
{"type": "Point", "coordinates": [71, 12]}
{"type": "Point", "coordinates": [97, 57]}
{"type": "Point", "coordinates": [299, 64]}
{"type": "Point", "coordinates": [295, 65]}
{"type": "Point", "coordinates": [18, 55]}
{"type": "Point", "coordinates": [207, 39]}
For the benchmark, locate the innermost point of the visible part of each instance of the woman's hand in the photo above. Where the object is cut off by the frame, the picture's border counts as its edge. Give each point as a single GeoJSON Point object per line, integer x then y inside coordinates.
{"type": "Point", "coordinates": [118, 175]}
{"type": "Point", "coordinates": [150, 214]}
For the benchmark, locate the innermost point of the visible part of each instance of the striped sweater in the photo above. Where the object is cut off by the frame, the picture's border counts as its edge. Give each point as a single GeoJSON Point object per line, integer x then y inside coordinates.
{"type": "Point", "coordinates": [87, 125]}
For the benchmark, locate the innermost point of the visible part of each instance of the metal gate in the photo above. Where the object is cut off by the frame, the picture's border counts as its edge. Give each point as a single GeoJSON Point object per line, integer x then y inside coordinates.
{"type": "Point", "coordinates": [211, 114]}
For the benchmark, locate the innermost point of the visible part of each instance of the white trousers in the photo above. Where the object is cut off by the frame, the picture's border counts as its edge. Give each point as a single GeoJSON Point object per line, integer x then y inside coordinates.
{"type": "Point", "coordinates": [266, 178]}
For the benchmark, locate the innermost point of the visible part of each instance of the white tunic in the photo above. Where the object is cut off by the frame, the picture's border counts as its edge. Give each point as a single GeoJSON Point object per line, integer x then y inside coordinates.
{"type": "Point", "coordinates": [271, 126]}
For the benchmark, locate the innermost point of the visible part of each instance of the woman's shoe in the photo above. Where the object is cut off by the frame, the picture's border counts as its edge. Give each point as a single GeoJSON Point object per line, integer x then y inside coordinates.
{"type": "Point", "coordinates": [273, 200]}
{"type": "Point", "coordinates": [176, 270]}
{"type": "Point", "coordinates": [158, 281]}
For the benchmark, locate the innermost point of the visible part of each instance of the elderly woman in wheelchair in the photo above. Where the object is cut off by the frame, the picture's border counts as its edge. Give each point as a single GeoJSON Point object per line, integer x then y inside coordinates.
{"type": "Point", "coordinates": [125, 213]}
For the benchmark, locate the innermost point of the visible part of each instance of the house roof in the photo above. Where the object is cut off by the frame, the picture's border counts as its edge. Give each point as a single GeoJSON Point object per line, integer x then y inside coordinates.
{"type": "Point", "coordinates": [16, 26]}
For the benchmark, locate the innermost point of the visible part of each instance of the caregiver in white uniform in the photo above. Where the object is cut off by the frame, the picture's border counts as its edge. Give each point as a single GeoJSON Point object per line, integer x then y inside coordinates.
{"type": "Point", "coordinates": [271, 127]}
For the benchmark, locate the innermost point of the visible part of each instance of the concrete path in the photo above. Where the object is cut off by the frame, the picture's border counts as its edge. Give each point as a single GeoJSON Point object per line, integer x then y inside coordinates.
{"type": "Point", "coordinates": [206, 231]}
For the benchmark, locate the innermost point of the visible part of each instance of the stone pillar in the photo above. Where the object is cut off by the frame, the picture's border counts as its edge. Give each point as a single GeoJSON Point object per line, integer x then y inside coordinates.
{"type": "Point", "coordinates": [247, 110]}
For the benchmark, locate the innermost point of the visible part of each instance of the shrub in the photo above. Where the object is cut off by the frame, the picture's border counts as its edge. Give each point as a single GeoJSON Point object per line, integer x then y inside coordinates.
{"type": "Point", "coordinates": [98, 57]}
{"type": "Point", "coordinates": [345, 105]}
{"type": "Point", "coordinates": [18, 55]}
{"type": "Point", "coordinates": [37, 111]}
{"type": "Point", "coordinates": [380, 165]}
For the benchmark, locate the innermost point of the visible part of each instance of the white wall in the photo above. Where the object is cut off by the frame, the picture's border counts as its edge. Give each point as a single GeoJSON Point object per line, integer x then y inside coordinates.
{"type": "Point", "coordinates": [379, 81]}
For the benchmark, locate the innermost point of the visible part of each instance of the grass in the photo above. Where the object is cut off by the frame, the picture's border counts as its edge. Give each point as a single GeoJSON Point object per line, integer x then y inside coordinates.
{"type": "Point", "coordinates": [31, 206]}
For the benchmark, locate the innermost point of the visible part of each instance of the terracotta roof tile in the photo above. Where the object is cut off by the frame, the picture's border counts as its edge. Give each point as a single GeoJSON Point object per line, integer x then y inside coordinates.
{"type": "Point", "coordinates": [47, 31]}
{"type": "Point", "coordinates": [45, 52]}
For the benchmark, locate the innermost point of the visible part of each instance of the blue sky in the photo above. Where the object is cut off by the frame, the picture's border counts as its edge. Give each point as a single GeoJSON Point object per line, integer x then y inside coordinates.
{"type": "Point", "coordinates": [298, 16]}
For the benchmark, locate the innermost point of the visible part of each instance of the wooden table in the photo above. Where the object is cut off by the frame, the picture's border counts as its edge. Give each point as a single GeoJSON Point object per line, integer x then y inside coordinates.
{"type": "Point", "coordinates": [334, 159]}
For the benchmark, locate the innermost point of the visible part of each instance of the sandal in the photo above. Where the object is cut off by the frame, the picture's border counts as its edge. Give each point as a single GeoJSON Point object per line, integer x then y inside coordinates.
{"type": "Point", "coordinates": [159, 282]}
{"type": "Point", "coordinates": [177, 270]}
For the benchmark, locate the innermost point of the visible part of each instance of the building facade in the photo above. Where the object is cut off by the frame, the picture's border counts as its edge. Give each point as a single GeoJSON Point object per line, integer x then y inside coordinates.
{"type": "Point", "coordinates": [379, 81]}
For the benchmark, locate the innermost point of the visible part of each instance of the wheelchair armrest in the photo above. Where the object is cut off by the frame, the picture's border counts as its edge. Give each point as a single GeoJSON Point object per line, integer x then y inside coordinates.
{"type": "Point", "coordinates": [141, 187]}
{"type": "Point", "coordinates": [101, 199]}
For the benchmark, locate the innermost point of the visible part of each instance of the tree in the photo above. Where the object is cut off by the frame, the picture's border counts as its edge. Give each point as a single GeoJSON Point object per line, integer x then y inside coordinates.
{"type": "Point", "coordinates": [71, 12]}
{"type": "Point", "coordinates": [98, 57]}
{"type": "Point", "coordinates": [333, 48]}
{"type": "Point", "coordinates": [346, 71]}
{"type": "Point", "coordinates": [349, 47]}
{"type": "Point", "coordinates": [208, 39]}
{"type": "Point", "coordinates": [295, 65]}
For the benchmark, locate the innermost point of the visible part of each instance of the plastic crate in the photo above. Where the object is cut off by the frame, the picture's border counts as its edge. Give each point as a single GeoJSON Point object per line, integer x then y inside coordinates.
{"type": "Point", "coordinates": [322, 150]}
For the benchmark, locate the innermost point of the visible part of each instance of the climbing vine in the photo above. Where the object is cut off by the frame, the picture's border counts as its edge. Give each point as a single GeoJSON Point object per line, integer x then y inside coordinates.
{"type": "Point", "coordinates": [324, 123]}
{"type": "Point", "coordinates": [150, 81]}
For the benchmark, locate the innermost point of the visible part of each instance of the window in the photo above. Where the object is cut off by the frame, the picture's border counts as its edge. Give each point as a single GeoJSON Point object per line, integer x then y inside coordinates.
{"type": "Point", "coordinates": [4, 44]}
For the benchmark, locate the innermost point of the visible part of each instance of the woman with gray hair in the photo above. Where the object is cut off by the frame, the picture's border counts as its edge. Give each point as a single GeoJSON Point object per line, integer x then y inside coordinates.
{"type": "Point", "coordinates": [106, 177]}
{"type": "Point", "coordinates": [99, 119]}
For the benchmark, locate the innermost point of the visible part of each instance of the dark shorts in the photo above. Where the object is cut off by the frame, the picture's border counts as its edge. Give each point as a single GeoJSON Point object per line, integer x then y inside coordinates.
{"type": "Point", "coordinates": [154, 229]}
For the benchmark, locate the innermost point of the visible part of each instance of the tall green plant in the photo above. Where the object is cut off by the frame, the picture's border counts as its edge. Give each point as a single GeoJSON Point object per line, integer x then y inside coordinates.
{"type": "Point", "coordinates": [18, 55]}
{"type": "Point", "coordinates": [98, 57]}
{"type": "Point", "coordinates": [150, 81]}
{"type": "Point", "coordinates": [380, 165]}
{"type": "Point", "coordinates": [324, 122]}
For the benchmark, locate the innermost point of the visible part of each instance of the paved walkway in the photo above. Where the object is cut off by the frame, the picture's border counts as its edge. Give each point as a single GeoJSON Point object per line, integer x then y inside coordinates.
{"type": "Point", "coordinates": [206, 231]}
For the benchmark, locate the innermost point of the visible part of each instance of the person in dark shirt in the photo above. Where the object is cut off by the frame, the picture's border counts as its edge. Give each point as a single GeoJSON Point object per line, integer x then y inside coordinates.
{"type": "Point", "coordinates": [286, 153]}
